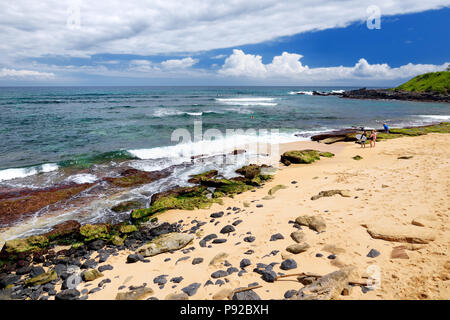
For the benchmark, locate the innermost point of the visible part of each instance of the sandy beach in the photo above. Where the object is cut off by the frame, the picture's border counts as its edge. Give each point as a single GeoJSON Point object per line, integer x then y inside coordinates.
{"type": "Point", "coordinates": [406, 195]}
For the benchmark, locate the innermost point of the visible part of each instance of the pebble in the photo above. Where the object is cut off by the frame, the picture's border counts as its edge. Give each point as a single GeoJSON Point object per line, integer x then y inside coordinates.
{"type": "Point", "coordinates": [290, 293]}
{"type": "Point", "coordinates": [269, 275]}
{"type": "Point", "coordinates": [197, 261]}
{"type": "Point", "coordinates": [219, 240]}
{"type": "Point", "coordinates": [277, 236]}
{"type": "Point", "coordinates": [331, 256]}
{"type": "Point", "coordinates": [160, 280]}
{"type": "Point", "coordinates": [288, 264]}
{"type": "Point", "coordinates": [191, 289]}
{"type": "Point", "coordinates": [216, 214]}
{"type": "Point", "coordinates": [249, 239]}
{"type": "Point", "coordinates": [235, 223]}
{"type": "Point", "coordinates": [373, 253]}
{"type": "Point", "coordinates": [177, 279]}
{"type": "Point", "coordinates": [219, 274]}
{"type": "Point", "coordinates": [105, 267]}
{"type": "Point", "coordinates": [227, 229]}
{"type": "Point", "coordinates": [244, 263]}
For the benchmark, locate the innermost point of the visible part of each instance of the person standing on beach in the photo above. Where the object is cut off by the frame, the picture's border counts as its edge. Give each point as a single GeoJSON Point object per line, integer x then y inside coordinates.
{"type": "Point", "coordinates": [386, 128]}
{"type": "Point", "coordinates": [373, 138]}
{"type": "Point", "coordinates": [363, 139]}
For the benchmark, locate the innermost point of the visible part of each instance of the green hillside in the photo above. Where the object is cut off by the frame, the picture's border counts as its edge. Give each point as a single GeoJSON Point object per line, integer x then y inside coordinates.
{"type": "Point", "coordinates": [438, 82]}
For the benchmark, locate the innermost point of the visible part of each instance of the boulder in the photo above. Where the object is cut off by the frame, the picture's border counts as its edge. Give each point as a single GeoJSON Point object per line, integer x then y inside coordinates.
{"type": "Point", "coordinates": [409, 234]}
{"type": "Point", "coordinates": [29, 244]}
{"type": "Point", "coordinates": [300, 156]}
{"type": "Point", "coordinates": [94, 231]}
{"type": "Point", "coordinates": [91, 275]}
{"type": "Point", "coordinates": [164, 243]}
{"type": "Point", "coordinates": [313, 222]}
{"type": "Point", "coordinates": [63, 229]}
{"type": "Point", "coordinates": [42, 278]}
{"type": "Point", "coordinates": [298, 248]}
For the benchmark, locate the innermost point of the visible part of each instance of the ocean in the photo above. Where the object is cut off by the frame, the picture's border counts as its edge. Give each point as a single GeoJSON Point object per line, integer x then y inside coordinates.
{"type": "Point", "coordinates": [54, 135]}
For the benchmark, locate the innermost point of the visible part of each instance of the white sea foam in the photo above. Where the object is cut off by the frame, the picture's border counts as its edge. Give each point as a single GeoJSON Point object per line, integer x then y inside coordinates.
{"type": "Point", "coordinates": [308, 93]}
{"type": "Point", "coordinates": [433, 117]}
{"type": "Point", "coordinates": [255, 101]}
{"type": "Point", "coordinates": [14, 173]}
{"type": "Point", "coordinates": [337, 91]}
{"type": "Point", "coordinates": [83, 178]}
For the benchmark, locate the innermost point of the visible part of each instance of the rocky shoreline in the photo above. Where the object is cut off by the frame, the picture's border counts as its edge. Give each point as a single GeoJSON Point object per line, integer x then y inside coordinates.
{"type": "Point", "coordinates": [387, 94]}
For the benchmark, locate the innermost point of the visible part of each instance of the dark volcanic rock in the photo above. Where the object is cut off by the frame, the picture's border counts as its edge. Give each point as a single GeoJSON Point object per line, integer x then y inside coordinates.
{"type": "Point", "coordinates": [269, 275]}
{"type": "Point", "coordinates": [277, 236]}
{"type": "Point", "coordinates": [219, 274]}
{"type": "Point", "coordinates": [244, 263]}
{"type": "Point", "coordinates": [132, 258]}
{"type": "Point", "coordinates": [197, 261]}
{"type": "Point", "coordinates": [246, 295]}
{"type": "Point", "coordinates": [373, 253]}
{"type": "Point", "coordinates": [69, 294]}
{"type": "Point", "coordinates": [227, 229]}
{"type": "Point", "coordinates": [288, 264]}
{"type": "Point", "coordinates": [191, 289]}
{"type": "Point", "coordinates": [395, 95]}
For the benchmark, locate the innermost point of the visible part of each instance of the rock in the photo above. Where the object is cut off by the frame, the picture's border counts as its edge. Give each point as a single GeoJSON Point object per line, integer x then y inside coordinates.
{"type": "Point", "coordinates": [330, 193]}
{"type": "Point", "coordinates": [331, 257]}
{"type": "Point", "coordinates": [71, 282]}
{"type": "Point", "coordinates": [237, 222]}
{"type": "Point", "coordinates": [63, 229]}
{"type": "Point", "coordinates": [298, 248]}
{"type": "Point", "coordinates": [103, 282]}
{"type": "Point", "coordinates": [300, 156]}
{"type": "Point", "coordinates": [297, 236]}
{"type": "Point", "coordinates": [89, 264]}
{"type": "Point", "coordinates": [219, 241]}
{"type": "Point", "coordinates": [177, 296]}
{"type": "Point", "coordinates": [347, 290]}
{"type": "Point", "coordinates": [29, 244]}
{"type": "Point", "coordinates": [290, 293]}
{"type": "Point", "coordinates": [91, 274]}
{"type": "Point", "coordinates": [94, 231]}
{"type": "Point", "coordinates": [269, 275]}
{"type": "Point", "coordinates": [288, 264]}
{"type": "Point", "coordinates": [249, 239]}
{"type": "Point", "coordinates": [277, 236]}
{"type": "Point", "coordinates": [160, 280]}
{"type": "Point", "coordinates": [105, 268]}
{"type": "Point", "coordinates": [219, 274]}
{"type": "Point", "coordinates": [136, 294]}
{"type": "Point", "coordinates": [409, 234]}
{"type": "Point", "coordinates": [227, 229]}
{"type": "Point", "coordinates": [191, 289]}
{"type": "Point", "coordinates": [373, 253]}
{"type": "Point", "coordinates": [231, 270]}
{"type": "Point", "coordinates": [96, 245]}
{"type": "Point", "coordinates": [306, 280]}
{"type": "Point", "coordinates": [42, 278]}
{"type": "Point", "coordinates": [399, 253]}
{"type": "Point", "coordinates": [327, 287]}
{"type": "Point", "coordinates": [164, 243]}
{"type": "Point", "coordinates": [313, 222]}
{"type": "Point", "coordinates": [177, 279]}
{"type": "Point", "coordinates": [36, 271]}
{"type": "Point", "coordinates": [217, 214]}
{"type": "Point", "coordinates": [218, 257]}
{"type": "Point", "coordinates": [246, 295]}
{"type": "Point", "coordinates": [259, 206]}
{"type": "Point", "coordinates": [68, 294]}
{"type": "Point", "coordinates": [125, 229]}
{"type": "Point", "coordinates": [196, 178]}
{"type": "Point", "coordinates": [132, 258]}
{"type": "Point", "coordinates": [197, 261]}
{"type": "Point", "coordinates": [244, 263]}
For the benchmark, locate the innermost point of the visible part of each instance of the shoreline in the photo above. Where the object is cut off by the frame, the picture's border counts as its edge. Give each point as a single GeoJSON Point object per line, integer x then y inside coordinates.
{"type": "Point", "coordinates": [392, 192]}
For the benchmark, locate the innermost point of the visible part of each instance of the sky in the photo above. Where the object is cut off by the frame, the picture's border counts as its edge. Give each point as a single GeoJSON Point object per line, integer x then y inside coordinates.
{"type": "Point", "coordinates": [231, 42]}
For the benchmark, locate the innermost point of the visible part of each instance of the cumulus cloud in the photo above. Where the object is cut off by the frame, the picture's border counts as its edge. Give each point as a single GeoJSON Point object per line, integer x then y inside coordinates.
{"type": "Point", "coordinates": [179, 63]}
{"type": "Point", "coordinates": [289, 66]}
{"type": "Point", "coordinates": [25, 74]}
{"type": "Point", "coordinates": [151, 27]}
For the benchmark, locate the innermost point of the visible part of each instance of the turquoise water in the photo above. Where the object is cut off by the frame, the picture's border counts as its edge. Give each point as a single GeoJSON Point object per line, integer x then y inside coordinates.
{"type": "Point", "coordinates": [53, 127]}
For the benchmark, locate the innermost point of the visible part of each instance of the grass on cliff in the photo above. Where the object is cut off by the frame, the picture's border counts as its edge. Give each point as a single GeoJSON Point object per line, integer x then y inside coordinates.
{"type": "Point", "coordinates": [438, 82]}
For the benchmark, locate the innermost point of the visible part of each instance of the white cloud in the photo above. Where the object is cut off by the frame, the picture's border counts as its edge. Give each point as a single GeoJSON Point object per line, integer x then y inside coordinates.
{"type": "Point", "coordinates": [288, 66]}
{"type": "Point", "coordinates": [37, 28]}
{"type": "Point", "coordinates": [179, 63]}
{"type": "Point", "coordinates": [219, 56]}
{"type": "Point", "coordinates": [25, 74]}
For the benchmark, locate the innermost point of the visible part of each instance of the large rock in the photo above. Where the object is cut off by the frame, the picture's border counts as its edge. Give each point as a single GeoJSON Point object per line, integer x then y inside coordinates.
{"type": "Point", "coordinates": [136, 294]}
{"type": "Point", "coordinates": [327, 287]}
{"type": "Point", "coordinates": [298, 248]}
{"type": "Point", "coordinates": [29, 244]}
{"type": "Point", "coordinates": [91, 275]}
{"type": "Point", "coordinates": [95, 231]}
{"type": "Point", "coordinates": [164, 243]}
{"type": "Point", "coordinates": [63, 229]}
{"type": "Point", "coordinates": [410, 234]}
{"type": "Point", "coordinates": [300, 156]}
{"type": "Point", "coordinates": [313, 222]}
{"type": "Point", "coordinates": [42, 278]}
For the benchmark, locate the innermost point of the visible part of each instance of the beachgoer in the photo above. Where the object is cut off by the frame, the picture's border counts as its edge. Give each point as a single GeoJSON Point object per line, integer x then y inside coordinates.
{"type": "Point", "coordinates": [373, 138]}
{"type": "Point", "coordinates": [386, 128]}
{"type": "Point", "coordinates": [363, 139]}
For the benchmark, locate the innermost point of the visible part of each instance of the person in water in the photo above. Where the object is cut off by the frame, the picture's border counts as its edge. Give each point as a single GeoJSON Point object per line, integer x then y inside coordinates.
{"type": "Point", "coordinates": [363, 139]}
{"type": "Point", "coordinates": [373, 138]}
{"type": "Point", "coordinates": [386, 128]}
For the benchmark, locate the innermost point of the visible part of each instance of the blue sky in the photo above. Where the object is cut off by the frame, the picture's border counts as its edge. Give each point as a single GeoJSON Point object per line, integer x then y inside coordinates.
{"type": "Point", "coordinates": [225, 50]}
